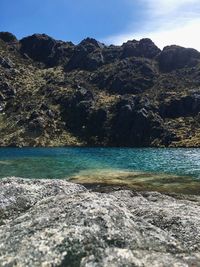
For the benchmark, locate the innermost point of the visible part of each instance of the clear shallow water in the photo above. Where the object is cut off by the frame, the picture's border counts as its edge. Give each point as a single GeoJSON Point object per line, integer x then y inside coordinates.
{"type": "Point", "coordinates": [175, 167]}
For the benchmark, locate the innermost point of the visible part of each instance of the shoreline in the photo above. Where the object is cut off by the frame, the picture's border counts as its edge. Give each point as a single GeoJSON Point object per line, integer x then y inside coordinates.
{"type": "Point", "coordinates": [102, 146]}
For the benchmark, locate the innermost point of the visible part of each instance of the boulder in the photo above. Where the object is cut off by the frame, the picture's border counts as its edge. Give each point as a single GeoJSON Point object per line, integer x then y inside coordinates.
{"type": "Point", "coordinates": [42, 48]}
{"type": "Point", "coordinates": [91, 44]}
{"type": "Point", "coordinates": [87, 56]}
{"type": "Point", "coordinates": [111, 53]}
{"type": "Point", "coordinates": [184, 106]}
{"type": "Point", "coordinates": [143, 48]}
{"type": "Point", "coordinates": [6, 63]}
{"type": "Point", "coordinates": [7, 91]}
{"type": "Point", "coordinates": [8, 37]}
{"type": "Point", "coordinates": [37, 126]}
{"type": "Point", "coordinates": [18, 195]}
{"type": "Point", "coordinates": [176, 57]}
{"type": "Point", "coordinates": [83, 94]}
{"type": "Point", "coordinates": [56, 223]}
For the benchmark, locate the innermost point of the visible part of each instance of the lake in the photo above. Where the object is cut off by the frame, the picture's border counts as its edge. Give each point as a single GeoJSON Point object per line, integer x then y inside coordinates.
{"type": "Point", "coordinates": [163, 169]}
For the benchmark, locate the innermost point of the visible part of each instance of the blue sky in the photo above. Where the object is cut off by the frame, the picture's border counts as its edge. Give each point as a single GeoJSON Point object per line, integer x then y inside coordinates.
{"type": "Point", "coordinates": [110, 21]}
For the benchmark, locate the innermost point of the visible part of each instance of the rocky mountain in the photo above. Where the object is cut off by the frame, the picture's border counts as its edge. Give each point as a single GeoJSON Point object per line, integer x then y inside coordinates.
{"type": "Point", "coordinates": [55, 93]}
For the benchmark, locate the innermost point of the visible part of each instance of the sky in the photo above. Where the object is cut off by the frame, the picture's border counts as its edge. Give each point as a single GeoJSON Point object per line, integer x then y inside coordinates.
{"type": "Point", "coordinates": [166, 22]}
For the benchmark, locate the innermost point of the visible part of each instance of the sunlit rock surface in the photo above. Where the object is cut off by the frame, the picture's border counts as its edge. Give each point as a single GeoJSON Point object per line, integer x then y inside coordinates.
{"type": "Point", "coordinates": [57, 223]}
{"type": "Point", "coordinates": [55, 93]}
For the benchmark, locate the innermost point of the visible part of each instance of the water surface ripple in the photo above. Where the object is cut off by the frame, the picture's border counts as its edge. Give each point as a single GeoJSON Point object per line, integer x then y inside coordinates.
{"type": "Point", "coordinates": [167, 169]}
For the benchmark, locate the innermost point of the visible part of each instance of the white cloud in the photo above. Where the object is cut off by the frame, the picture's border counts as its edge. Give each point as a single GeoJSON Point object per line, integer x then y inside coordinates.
{"type": "Point", "coordinates": [167, 22]}
{"type": "Point", "coordinates": [163, 7]}
{"type": "Point", "coordinates": [184, 35]}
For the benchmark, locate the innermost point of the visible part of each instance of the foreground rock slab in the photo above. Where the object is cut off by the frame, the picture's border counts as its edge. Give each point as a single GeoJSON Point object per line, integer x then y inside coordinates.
{"type": "Point", "coordinates": [57, 223]}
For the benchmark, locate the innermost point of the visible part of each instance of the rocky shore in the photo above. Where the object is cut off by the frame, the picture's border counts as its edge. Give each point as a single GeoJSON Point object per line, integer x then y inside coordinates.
{"type": "Point", "coordinates": [57, 223]}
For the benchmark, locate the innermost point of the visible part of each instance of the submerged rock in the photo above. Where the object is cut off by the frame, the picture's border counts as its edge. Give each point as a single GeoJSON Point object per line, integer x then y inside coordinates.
{"type": "Point", "coordinates": [136, 180]}
{"type": "Point", "coordinates": [66, 225]}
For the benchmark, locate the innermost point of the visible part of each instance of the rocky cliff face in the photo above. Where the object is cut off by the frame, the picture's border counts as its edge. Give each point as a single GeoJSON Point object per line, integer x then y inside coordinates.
{"type": "Point", "coordinates": [57, 93]}
{"type": "Point", "coordinates": [57, 223]}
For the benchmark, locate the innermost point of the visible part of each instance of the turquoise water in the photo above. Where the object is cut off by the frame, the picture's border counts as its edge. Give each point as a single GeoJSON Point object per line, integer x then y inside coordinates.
{"type": "Point", "coordinates": [64, 162]}
{"type": "Point", "coordinates": [69, 162]}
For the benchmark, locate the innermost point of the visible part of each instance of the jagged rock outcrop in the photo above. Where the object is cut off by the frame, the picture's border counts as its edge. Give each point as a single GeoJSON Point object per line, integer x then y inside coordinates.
{"type": "Point", "coordinates": [76, 110]}
{"type": "Point", "coordinates": [87, 56]}
{"type": "Point", "coordinates": [56, 223]}
{"type": "Point", "coordinates": [184, 106]}
{"type": "Point", "coordinates": [135, 123]}
{"type": "Point", "coordinates": [143, 48]}
{"type": "Point", "coordinates": [128, 76]}
{"type": "Point", "coordinates": [42, 48]}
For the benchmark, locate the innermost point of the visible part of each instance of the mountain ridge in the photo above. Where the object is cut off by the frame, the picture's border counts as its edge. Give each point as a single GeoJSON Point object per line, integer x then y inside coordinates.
{"type": "Point", "coordinates": [55, 93]}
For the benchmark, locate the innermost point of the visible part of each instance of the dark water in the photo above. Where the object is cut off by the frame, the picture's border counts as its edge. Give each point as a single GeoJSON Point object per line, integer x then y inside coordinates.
{"type": "Point", "coordinates": [178, 167]}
